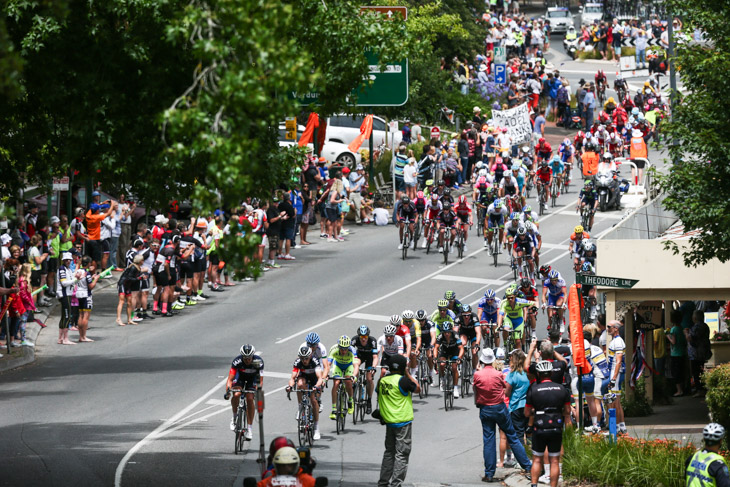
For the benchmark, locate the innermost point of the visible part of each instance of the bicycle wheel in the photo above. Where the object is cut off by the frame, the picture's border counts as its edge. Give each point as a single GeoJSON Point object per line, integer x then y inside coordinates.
{"type": "Point", "coordinates": [465, 376]}
{"type": "Point", "coordinates": [341, 409]}
{"type": "Point", "coordinates": [421, 376]}
{"type": "Point", "coordinates": [416, 235]}
{"type": "Point", "coordinates": [303, 424]}
{"type": "Point", "coordinates": [446, 249]}
{"type": "Point", "coordinates": [426, 381]}
{"type": "Point", "coordinates": [450, 385]}
{"type": "Point", "coordinates": [429, 239]}
{"type": "Point", "coordinates": [406, 244]}
{"type": "Point", "coordinates": [460, 244]}
{"type": "Point", "coordinates": [356, 401]}
{"type": "Point", "coordinates": [310, 425]}
{"type": "Point", "coordinates": [240, 439]}
{"type": "Point", "coordinates": [447, 375]}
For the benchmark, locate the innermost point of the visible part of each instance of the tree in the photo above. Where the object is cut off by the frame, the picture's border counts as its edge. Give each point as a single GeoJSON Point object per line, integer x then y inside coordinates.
{"type": "Point", "coordinates": [698, 184]}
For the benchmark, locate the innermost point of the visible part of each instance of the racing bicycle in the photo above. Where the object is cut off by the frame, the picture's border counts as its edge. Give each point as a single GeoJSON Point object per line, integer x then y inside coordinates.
{"type": "Point", "coordinates": [467, 372]}
{"type": "Point", "coordinates": [361, 398]}
{"type": "Point", "coordinates": [407, 237]}
{"type": "Point", "coordinates": [341, 403]}
{"type": "Point", "coordinates": [447, 380]}
{"type": "Point", "coordinates": [424, 376]}
{"type": "Point", "coordinates": [305, 416]}
{"type": "Point", "coordinates": [239, 443]}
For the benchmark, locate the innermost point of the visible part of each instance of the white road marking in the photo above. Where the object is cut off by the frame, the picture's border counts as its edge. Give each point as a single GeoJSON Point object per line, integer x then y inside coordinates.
{"type": "Point", "coordinates": [369, 317]}
{"type": "Point", "coordinates": [546, 245]}
{"type": "Point", "coordinates": [277, 375]}
{"type": "Point", "coordinates": [217, 402]}
{"type": "Point", "coordinates": [474, 280]}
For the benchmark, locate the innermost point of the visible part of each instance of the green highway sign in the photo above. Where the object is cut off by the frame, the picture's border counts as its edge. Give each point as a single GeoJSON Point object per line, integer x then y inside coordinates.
{"type": "Point", "coordinates": [606, 281]}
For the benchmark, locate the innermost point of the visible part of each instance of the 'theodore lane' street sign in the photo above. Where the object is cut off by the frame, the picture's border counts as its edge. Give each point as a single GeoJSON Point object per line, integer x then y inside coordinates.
{"type": "Point", "coordinates": [606, 281]}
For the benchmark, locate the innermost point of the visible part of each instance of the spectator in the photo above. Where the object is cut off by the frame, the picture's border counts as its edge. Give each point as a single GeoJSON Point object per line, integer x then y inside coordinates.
{"type": "Point", "coordinates": [589, 104]}
{"type": "Point", "coordinates": [516, 389]}
{"type": "Point", "coordinates": [463, 149]}
{"type": "Point", "coordinates": [94, 217]}
{"type": "Point", "coordinates": [126, 284]}
{"type": "Point", "coordinates": [410, 176]}
{"type": "Point", "coordinates": [36, 257]}
{"type": "Point", "coordinates": [116, 233]}
{"type": "Point", "coordinates": [358, 182]}
{"type": "Point", "coordinates": [288, 230]}
{"type": "Point", "coordinates": [274, 217]}
{"type": "Point", "coordinates": [78, 230]}
{"type": "Point", "coordinates": [401, 159]}
{"type": "Point", "coordinates": [489, 387]}
{"type": "Point", "coordinates": [406, 132]}
{"type": "Point", "coordinates": [416, 136]}
{"type": "Point", "coordinates": [660, 349]}
{"type": "Point", "coordinates": [380, 214]}
{"type": "Point", "coordinates": [15, 310]}
{"type": "Point", "coordinates": [86, 282]}
{"type": "Point", "coordinates": [367, 206]}
{"type": "Point", "coordinates": [308, 216]}
{"type": "Point", "coordinates": [64, 292]}
{"type": "Point", "coordinates": [538, 130]}
{"type": "Point", "coordinates": [125, 219]}
{"type": "Point", "coordinates": [108, 225]}
{"type": "Point", "coordinates": [640, 43]}
{"type": "Point", "coordinates": [698, 350]}
{"type": "Point", "coordinates": [31, 219]}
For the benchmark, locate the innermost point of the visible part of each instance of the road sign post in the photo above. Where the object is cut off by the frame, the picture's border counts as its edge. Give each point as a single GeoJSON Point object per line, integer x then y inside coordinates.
{"type": "Point", "coordinates": [500, 74]}
{"type": "Point", "coordinates": [604, 281]}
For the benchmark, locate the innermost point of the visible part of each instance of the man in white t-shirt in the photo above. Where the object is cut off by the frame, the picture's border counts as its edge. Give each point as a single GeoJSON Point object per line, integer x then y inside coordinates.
{"type": "Point", "coordinates": [380, 214]}
{"type": "Point", "coordinates": [416, 133]}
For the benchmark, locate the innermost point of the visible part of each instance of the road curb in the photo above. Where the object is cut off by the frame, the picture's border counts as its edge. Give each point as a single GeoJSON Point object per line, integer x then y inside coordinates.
{"type": "Point", "coordinates": [33, 329]}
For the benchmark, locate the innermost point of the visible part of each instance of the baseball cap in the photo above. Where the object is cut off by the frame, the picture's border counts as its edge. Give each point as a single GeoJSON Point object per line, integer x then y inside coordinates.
{"type": "Point", "coordinates": [159, 218]}
{"type": "Point", "coordinates": [5, 239]}
{"type": "Point", "coordinates": [95, 193]}
{"type": "Point", "coordinates": [397, 364]}
{"type": "Point", "coordinates": [345, 170]}
{"type": "Point", "coordinates": [500, 354]}
{"type": "Point", "coordinates": [359, 167]}
{"type": "Point", "coordinates": [55, 219]}
{"type": "Point", "coordinates": [201, 223]}
{"type": "Point", "coordinates": [321, 160]}
{"type": "Point", "coordinates": [94, 207]}
{"type": "Point", "coordinates": [487, 356]}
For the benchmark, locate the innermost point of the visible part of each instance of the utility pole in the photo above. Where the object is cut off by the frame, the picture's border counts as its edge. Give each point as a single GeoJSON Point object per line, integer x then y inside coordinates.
{"type": "Point", "coordinates": [672, 73]}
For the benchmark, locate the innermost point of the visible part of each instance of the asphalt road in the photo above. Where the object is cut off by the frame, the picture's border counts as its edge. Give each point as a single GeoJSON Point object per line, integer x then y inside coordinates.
{"type": "Point", "coordinates": [143, 404]}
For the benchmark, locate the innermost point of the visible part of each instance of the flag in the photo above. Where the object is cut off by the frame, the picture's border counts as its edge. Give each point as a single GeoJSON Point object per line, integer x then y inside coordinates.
{"type": "Point", "coordinates": [637, 362]}
{"type": "Point", "coordinates": [308, 134]}
{"type": "Point", "coordinates": [365, 129]}
{"type": "Point", "coordinates": [576, 331]}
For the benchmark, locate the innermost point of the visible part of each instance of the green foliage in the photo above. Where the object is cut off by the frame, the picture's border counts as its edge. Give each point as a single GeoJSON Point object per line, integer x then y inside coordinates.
{"type": "Point", "coordinates": [699, 142]}
{"type": "Point", "coordinates": [639, 404]}
{"type": "Point", "coordinates": [717, 383]}
{"type": "Point", "coordinates": [628, 461]}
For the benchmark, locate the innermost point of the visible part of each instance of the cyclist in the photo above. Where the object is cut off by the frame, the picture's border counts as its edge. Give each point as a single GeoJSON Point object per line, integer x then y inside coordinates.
{"type": "Point", "coordinates": [588, 253]}
{"type": "Point", "coordinates": [567, 155]}
{"type": "Point", "coordinates": [344, 364]}
{"type": "Point", "coordinates": [543, 151]}
{"type": "Point", "coordinates": [588, 292]}
{"type": "Point", "coordinates": [512, 228]}
{"type": "Point", "coordinates": [420, 203]}
{"type": "Point", "coordinates": [553, 294]}
{"type": "Point", "coordinates": [620, 87]}
{"type": "Point", "coordinates": [449, 347]}
{"type": "Point", "coordinates": [454, 304]}
{"type": "Point", "coordinates": [579, 140]}
{"type": "Point", "coordinates": [319, 351]}
{"type": "Point", "coordinates": [601, 82]}
{"type": "Point", "coordinates": [389, 344]}
{"type": "Point", "coordinates": [534, 234]}
{"type": "Point", "coordinates": [433, 209]}
{"type": "Point", "coordinates": [510, 191]}
{"type": "Point", "coordinates": [529, 292]}
{"type": "Point", "coordinates": [497, 170]}
{"type": "Point", "coordinates": [595, 382]}
{"type": "Point", "coordinates": [588, 198]}
{"type": "Point", "coordinates": [402, 331]}
{"type": "Point", "coordinates": [511, 315]}
{"type": "Point", "coordinates": [496, 214]}
{"type": "Point", "coordinates": [523, 248]}
{"type": "Point", "coordinates": [407, 214]}
{"type": "Point", "coordinates": [247, 372]}
{"type": "Point", "coordinates": [428, 338]}
{"type": "Point", "coordinates": [576, 239]}
{"type": "Point", "coordinates": [367, 351]}
{"type": "Point", "coordinates": [488, 308]}
{"type": "Point", "coordinates": [529, 216]}
{"type": "Point", "coordinates": [707, 466]}
{"type": "Point", "coordinates": [483, 197]}
{"type": "Point", "coordinates": [447, 220]}
{"type": "Point", "coordinates": [557, 166]}
{"type": "Point", "coordinates": [544, 179]}
{"type": "Point", "coordinates": [412, 337]}
{"type": "Point", "coordinates": [307, 373]}
{"type": "Point", "coordinates": [469, 332]}
{"type": "Point", "coordinates": [446, 197]}
{"type": "Point", "coordinates": [520, 175]}
{"type": "Point", "coordinates": [463, 211]}
{"type": "Point", "coordinates": [614, 144]}
{"type": "Point", "coordinates": [442, 315]}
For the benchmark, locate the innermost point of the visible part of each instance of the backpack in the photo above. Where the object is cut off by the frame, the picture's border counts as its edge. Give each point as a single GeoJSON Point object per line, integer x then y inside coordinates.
{"type": "Point", "coordinates": [563, 95]}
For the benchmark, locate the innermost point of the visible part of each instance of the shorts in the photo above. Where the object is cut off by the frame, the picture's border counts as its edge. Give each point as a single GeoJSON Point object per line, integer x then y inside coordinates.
{"type": "Point", "coordinates": [135, 286]}
{"type": "Point", "coordinates": [619, 384]}
{"type": "Point", "coordinates": [84, 304]}
{"type": "Point", "coordinates": [489, 317]}
{"type": "Point", "coordinates": [495, 221]}
{"type": "Point", "coordinates": [199, 265]}
{"type": "Point", "coordinates": [640, 163]}
{"type": "Point", "coordinates": [52, 264]}
{"type": "Point", "coordinates": [365, 361]}
{"type": "Point", "coordinates": [309, 379]}
{"type": "Point", "coordinates": [552, 299]}
{"type": "Point", "coordinates": [411, 185]}
{"type": "Point", "coordinates": [35, 278]}
{"type": "Point", "coordinates": [426, 340]}
{"type": "Point", "coordinates": [517, 324]}
{"type": "Point", "coordinates": [247, 384]}
{"type": "Point", "coordinates": [443, 354]}
{"type": "Point", "coordinates": [400, 184]}
{"type": "Point", "coordinates": [144, 284]}
{"type": "Point", "coordinates": [161, 279]}
{"type": "Point", "coordinates": [273, 244]}
{"type": "Point", "coordinates": [332, 214]}
{"type": "Point", "coordinates": [215, 259]}
{"type": "Point", "coordinates": [553, 441]}
{"type": "Point", "coordinates": [94, 250]}
{"type": "Point", "coordinates": [106, 245]}
{"type": "Point", "coordinates": [187, 270]}
{"type": "Point", "coordinates": [464, 218]}
{"type": "Point", "coordinates": [124, 288]}
{"type": "Point", "coordinates": [338, 372]}
{"type": "Point", "coordinates": [288, 233]}
{"type": "Point", "coordinates": [469, 333]}
{"type": "Point", "coordinates": [385, 360]}
{"type": "Point", "coordinates": [173, 276]}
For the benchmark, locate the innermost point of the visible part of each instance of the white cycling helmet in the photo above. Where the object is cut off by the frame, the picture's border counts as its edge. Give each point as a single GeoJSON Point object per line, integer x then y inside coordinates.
{"type": "Point", "coordinates": [408, 314]}
{"type": "Point", "coordinates": [389, 330]}
{"type": "Point", "coordinates": [395, 320]}
{"type": "Point", "coordinates": [713, 433]}
{"type": "Point", "coordinates": [482, 173]}
{"type": "Point", "coordinates": [544, 367]}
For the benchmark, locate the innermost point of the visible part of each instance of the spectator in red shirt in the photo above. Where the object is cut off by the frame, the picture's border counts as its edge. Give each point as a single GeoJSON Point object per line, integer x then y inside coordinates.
{"type": "Point", "coordinates": [489, 386]}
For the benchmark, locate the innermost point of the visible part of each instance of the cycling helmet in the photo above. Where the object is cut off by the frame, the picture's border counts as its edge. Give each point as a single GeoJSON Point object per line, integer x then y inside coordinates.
{"type": "Point", "coordinates": [515, 167]}
{"type": "Point", "coordinates": [489, 294]}
{"type": "Point", "coordinates": [545, 269]}
{"type": "Point", "coordinates": [389, 330]}
{"type": "Point", "coordinates": [305, 352]}
{"type": "Point", "coordinates": [556, 158]}
{"type": "Point", "coordinates": [525, 282]}
{"type": "Point", "coordinates": [482, 174]}
{"type": "Point", "coordinates": [447, 191]}
{"type": "Point", "coordinates": [526, 160]}
{"type": "Point", "coordinates": [480, 165]}
{"type": "Point", "coordinates": [344, 341]}
{"type": "Point", "coordinates": [567, 142]}
{"type": "Point", "coordinates": [586, 267]}
{"type": "Point", "coordinates": [429, 182]}
{"type": "Point", "coordinates": [363, 331]}
{"type": "Point", "coordinates": [421, 315]}
{"type": "Point", "coordinates": [449, 295]}
{"type": "Point", "coordinates": [447, 206]}
{"type": "Point", "coordinates": [482, 179]}
{"type": "Point", "coordinates": [435, 196]}
{"type": "Point", "coordinates": [640, 117]}
{"type": "Point", "coordinates": [554, 275]}
{"type": "Point", "coordinates": [408, 314]}
{"type": "Point", "coordinates": [581, 134]}
{"type": "Point", "coordinates": [443, 303]}
{"type": "Point", "coordinates": [527, 209]}
{"type": "Point", "coordinates": [544, 163]}
{"type": "Point", "coordinates": [395, 320]}
{"type": "Point", "coordinates": [578, 229]}
{"type": "Point", "coordinates": [504, 130]}
{"type": "Point", "coordinates": [312, 339]}
{"type": "Point", "coordinates": [589, 247]}
{"type": "Point", "coordinates": [529, 227]}
{"type": "Point", "coordinates": [618, 78]}
{"type": "Point", "coordinates": [462, 199]}
{"type": "Point", "coordinates": [521, 232]}
{"type": "Point", "coordinates": [713, 433]}
{"type": "Point", "coordinates": [514, 216]}
{"type": "Point", "coordinates": [247, 351]}
{"type": "Point", "coordinates": [541, 141]}
{"type": "Point", "coordinates": [589, 182]}
{"type": "Point", "coordinates": [175, 239]}
{"type": "Point", "coordinates": [286, 462]}
{"type": "Point", "coordinates": [420, 195]}
{"type": "Point", "coordinates": [405, 200]}
{"type": "Point", "coordinates": [544, 367]}
{"type": "Point", "coordinates": [447, 327]}
{"type": "Point", "coordinates": [525, 149]}
{"type": "Point", "coordinates": [442, 182]}
{"type": "Point", "coordinates": [511, 290]}
{"type": "Point", "coordinates": [465, 309]}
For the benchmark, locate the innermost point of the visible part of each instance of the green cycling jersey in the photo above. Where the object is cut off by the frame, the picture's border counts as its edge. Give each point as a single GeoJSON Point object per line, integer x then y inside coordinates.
{"type": "Point", "coordinates": [514, 312]}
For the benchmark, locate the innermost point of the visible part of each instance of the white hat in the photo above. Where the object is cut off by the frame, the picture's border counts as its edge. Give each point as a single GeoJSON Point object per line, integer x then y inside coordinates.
{"type": "Point", "coordinates": [477, 109]}
{"type": "Point", "coordinates": [359, 167]}
{"type": "Point", "coordinates": [500, 353]}
{"type": "Point", "coordinates": [482, 67]}
{"type": "Point", "coordinates": [159, 218]}
{"type": "Point", "coordinates": [66, 256]}
{"type": "Point", "coordinates": [5, 239]}
{"type": "Point", "coordinates": [637, 133]}
{"type": "Point", "coordinates": [487, 356]}
{"type": "Point", "coordinates": [55, 219]}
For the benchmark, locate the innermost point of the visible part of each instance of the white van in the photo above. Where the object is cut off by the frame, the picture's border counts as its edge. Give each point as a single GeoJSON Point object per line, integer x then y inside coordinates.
{"type": "Point", "coordinates": [344, 128]}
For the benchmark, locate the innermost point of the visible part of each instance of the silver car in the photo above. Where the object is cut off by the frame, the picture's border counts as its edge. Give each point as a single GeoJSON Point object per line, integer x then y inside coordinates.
{"type": "Point", "coordinates": [560, 19]}
{"type": "Point", "coordinates": [590, 13]}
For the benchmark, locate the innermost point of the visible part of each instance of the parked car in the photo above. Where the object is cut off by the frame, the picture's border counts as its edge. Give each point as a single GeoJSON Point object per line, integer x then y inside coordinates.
{"type": "Point", "coordinates": [560, 19]}
{"type": "Point", "coordinates": [344, 128]}
{"type": "Point", "coordinates": [590, 13]}
{"type": "Point", "coordinates": [333, 151]}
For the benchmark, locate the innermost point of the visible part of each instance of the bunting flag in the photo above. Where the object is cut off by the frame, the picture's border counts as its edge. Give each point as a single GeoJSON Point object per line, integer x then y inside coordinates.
{"type": "Point", "coordinates": [637, 362]}
{"type": "Point", "coordinates": [576, 330]}
{"type": "Point", "coordinates": [308, 134]}
{"type": "Point", "coordinates": [365, 129]}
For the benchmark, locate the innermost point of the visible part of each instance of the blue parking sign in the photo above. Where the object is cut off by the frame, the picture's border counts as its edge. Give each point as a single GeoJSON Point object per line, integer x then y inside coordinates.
{"type": "Point", "coordinates": [500, 74]}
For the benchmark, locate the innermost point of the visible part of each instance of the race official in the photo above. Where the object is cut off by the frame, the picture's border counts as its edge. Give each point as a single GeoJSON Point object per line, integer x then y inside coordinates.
{"type": "Point", "coordinates": [707, 467]}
